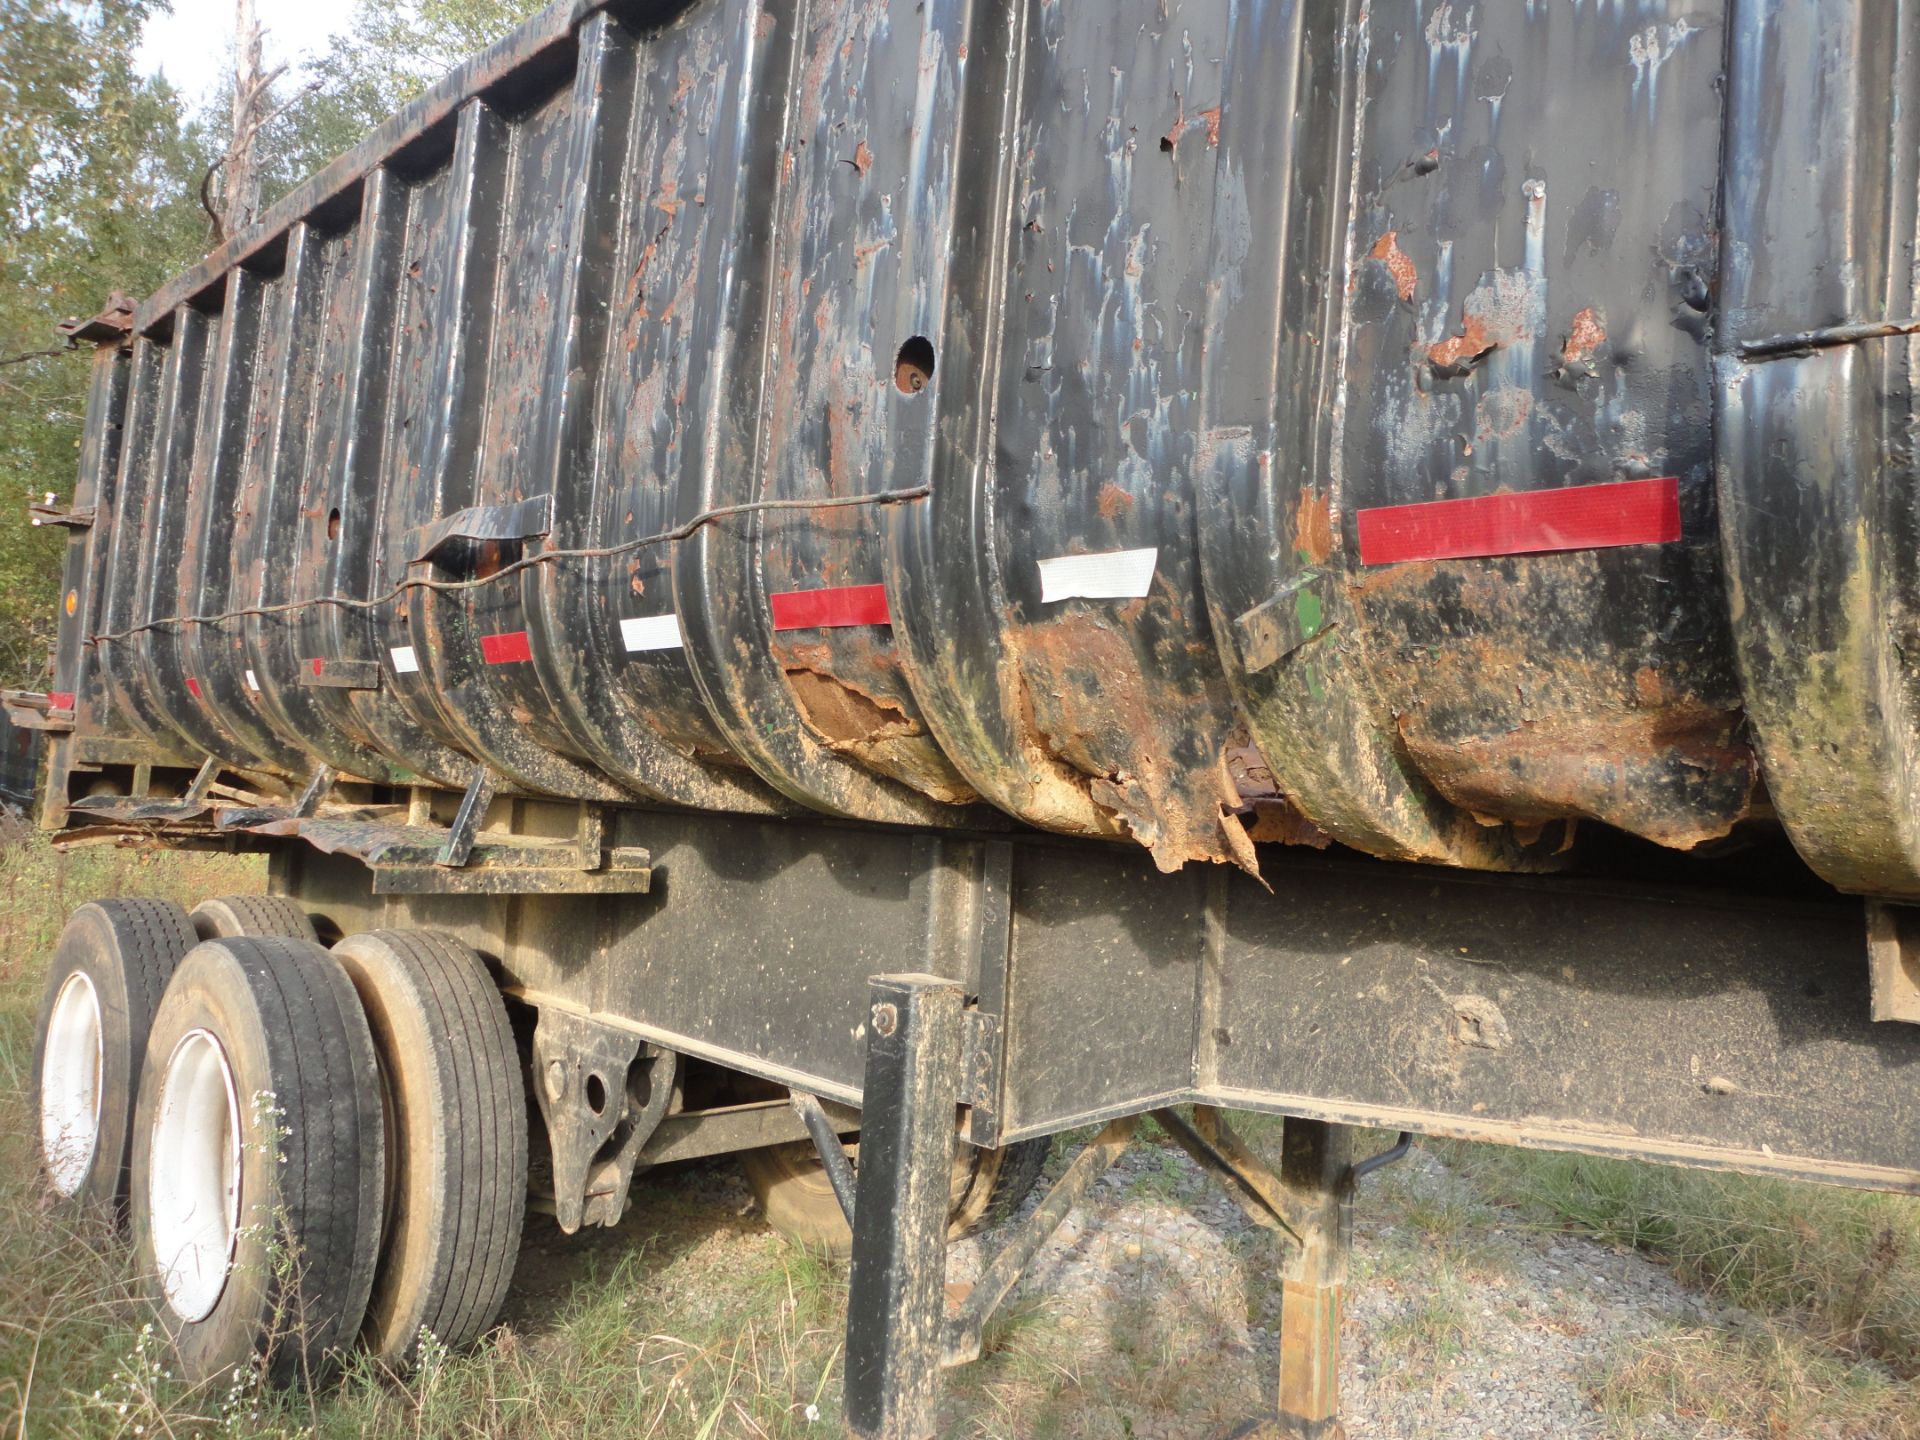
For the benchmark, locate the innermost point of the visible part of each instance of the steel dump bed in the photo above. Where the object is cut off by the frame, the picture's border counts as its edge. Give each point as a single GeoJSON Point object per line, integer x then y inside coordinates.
{"type": "Point", "coordinates": [1431, 428]}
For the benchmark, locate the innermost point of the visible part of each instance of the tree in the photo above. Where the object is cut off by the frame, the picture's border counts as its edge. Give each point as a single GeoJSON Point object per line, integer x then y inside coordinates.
{"type": "Point", "coordinates": [235, 177]}
{"type": "Point", "coordinates": [386, 56]}
{"type": "Point", "coordinates": [96, 180]}
{"type": "Point", "coordinates": [101, 181]}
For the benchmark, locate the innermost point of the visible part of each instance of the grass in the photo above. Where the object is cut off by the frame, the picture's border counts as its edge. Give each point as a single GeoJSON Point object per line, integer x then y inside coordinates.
{"type": "Point", "coordinates": [690, 1321]}
{"type": "Point", "coordinates": [1844, 1265]}
{"type": "Point", "coordinates": [1829, 1281]}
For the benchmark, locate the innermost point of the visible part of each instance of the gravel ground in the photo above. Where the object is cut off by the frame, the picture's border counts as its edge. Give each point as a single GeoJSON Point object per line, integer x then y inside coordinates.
{"type": "Point", "coordinates": [1460, 1324]}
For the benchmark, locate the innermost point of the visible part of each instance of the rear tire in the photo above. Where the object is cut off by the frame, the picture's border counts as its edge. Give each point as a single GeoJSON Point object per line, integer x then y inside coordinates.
{"type": "Point", "coordinates": [457, 1138]}
{"type": "Point", "coordinates": [232, 916]}
{"type": "Point", "coordinates": [109, 970]}
{"type": "Point", "coordinates": [258, 1160]}
{"type": "Point", "coordinates": [798, 1200]}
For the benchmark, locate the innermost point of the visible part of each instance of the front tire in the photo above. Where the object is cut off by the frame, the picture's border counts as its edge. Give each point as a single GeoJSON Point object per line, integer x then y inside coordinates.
{"type": "Point", "coordinates": [109, 970]}
{"type": "Point", "coordinates": [258, 1160]}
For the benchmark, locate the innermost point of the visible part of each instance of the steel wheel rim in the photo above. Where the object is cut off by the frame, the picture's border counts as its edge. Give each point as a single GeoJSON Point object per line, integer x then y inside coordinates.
{"type": "Point", "coordinates": [70, 1076]}
{"type": "Point", "coordinates": [193, 1176]}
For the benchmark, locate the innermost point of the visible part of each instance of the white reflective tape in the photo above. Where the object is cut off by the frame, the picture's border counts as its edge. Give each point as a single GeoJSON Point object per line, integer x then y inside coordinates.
{"type": "Point", "coordinates": [1115, 575]}
{"type": "Point", "coordinates": [651, 632]}
{"type": "Point", "coordinates": [253, 681]}
{"type": "Point", "coordinates": [405, 662]}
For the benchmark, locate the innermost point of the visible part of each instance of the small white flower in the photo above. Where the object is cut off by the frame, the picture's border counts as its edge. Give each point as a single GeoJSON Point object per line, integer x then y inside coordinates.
{"type": "Point", "coordinates": [813, 1413]}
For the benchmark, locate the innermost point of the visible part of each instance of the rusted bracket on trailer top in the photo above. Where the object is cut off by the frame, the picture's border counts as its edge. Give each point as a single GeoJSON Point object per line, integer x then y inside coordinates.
{"type": "Point", "coordinates": [50, 512]}
{"type": "Point", "coordinates": [1281, 624]}
{"type": "Point", "coordinates": [478, 524]}
{"type": "Point", "coordinates": [341, 674]}
{"type": "Point", "coordinates": [114, 322]}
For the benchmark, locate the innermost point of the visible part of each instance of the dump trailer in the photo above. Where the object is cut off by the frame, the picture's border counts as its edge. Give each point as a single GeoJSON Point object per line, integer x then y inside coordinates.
{"type": "Point", "coordinates": [770, 571]}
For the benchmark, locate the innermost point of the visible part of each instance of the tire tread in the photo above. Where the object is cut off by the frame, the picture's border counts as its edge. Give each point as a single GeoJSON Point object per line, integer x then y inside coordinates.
{"type": "Point", "coordinates": [483, 1138]}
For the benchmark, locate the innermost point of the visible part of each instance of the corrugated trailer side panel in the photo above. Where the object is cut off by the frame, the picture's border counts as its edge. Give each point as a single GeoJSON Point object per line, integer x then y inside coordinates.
{"type": "Point", "coordinates": [611, 660]}
{"type": "Point", "coordinates": [1027, 389]}
{"type": "Point", "coordinates": [1816, 423]}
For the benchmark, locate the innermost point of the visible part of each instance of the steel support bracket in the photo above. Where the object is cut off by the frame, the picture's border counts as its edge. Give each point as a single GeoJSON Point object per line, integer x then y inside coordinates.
{"type": "Point", "coordinates": [65, 517]}
{"type": "Point", "coordinates": [963, 1334]}
{"type": "Point", "coordinates": [896, 1307]}
{"type": "Point", "coordinates": [37, 710]}
{"type": "Point", "coordinates": [979, 1057]}
{"type": "Point", "coordinates": [127, 809]}
{"type": "Point", "coordinates": [1893, 960]}
{"type": "Point", "coordinates": [342, 674]}
{"type": "Point", "coordinates": [1281, 624]}
{"type": "Point", "coordinates": [467, 821]}
{"type": "Point", "coordinates": [827, 1144]}
{"type": "Point", "coordinates": [602, 1099]}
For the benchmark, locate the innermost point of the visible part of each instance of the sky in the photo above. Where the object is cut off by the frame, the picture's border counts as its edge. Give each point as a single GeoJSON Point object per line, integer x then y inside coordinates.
{"type": "Point", "coordinates": [193, 46]}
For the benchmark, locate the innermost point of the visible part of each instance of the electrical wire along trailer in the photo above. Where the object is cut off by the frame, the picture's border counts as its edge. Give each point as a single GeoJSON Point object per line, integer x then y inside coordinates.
{"type": "Point", "coordinates": [769, 571]}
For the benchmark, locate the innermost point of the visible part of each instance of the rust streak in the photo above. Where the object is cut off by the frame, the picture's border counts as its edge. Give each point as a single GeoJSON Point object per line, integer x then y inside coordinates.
{"type": "Point", "coordinates": [1457, 353]}
{"type": "Point", "coordinates": [1313, 527]}
{"type": "Point", "coordinates": [1587, 335]}
{"type": "Point", "coordinates": [1399, 264]}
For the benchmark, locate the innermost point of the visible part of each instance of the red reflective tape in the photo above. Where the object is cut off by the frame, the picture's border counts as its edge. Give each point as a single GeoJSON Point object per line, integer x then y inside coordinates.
{"type": "Point", "coordinates": [834, 605]}
{"type": "Point", "coordinates": [193, 687]}
{"type": "Point", "coordinates": [1576, 517]}
{"type": "Point", "coordinates": [319, 666]}
{"type": "Point", "coordinates": [505, 649]}
{"type": "Point", "coordinates": [60, 700]}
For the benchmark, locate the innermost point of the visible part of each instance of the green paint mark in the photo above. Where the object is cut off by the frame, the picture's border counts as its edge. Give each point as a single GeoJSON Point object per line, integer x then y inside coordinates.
{"type": "Point", "coordinates": [1314, 687]}
{"type": "Point", "coordinates": [1307, 609]}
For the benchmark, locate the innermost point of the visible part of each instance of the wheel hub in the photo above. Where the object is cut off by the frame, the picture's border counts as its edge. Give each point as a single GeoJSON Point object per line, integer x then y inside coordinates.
{"type": "Point", "coordinates": [194, 1189]}
{"type": "Point", "coordinates": [70, 1084]}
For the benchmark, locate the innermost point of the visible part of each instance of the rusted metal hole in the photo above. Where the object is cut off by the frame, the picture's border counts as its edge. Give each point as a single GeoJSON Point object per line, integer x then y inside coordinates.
{"type": "Point", "coordinates": [913, 366]}
{"type": "Point", "coordinates": [490, 557]}
{"type": "Point", "coordinates": [596, 1095]}
{"type": "Point", "coordinates": [333, 525]}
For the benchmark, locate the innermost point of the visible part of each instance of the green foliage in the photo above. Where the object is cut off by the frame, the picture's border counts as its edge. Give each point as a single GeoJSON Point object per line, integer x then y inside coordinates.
{"type": "Point", "coordinates": [386, 56]}
{"type": "Point", "coordinates": [94, 185]}
{"type": "Point", "coordinates": [100, 171]}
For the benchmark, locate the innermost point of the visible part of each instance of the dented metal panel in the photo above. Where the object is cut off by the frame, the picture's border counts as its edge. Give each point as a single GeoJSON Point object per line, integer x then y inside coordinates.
{"type": "Point", "coordinates": [928, 411]}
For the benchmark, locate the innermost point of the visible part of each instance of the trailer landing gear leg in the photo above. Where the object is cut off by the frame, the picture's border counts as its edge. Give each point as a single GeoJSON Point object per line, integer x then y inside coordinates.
{"type": "Point", "coordinates": [1316, 1168]}
{"type": "Point", "coordinates": [896, 1304]}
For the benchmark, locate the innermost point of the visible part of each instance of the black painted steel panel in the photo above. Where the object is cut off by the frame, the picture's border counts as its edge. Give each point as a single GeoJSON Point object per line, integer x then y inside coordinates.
{"type": "Point", "coordinates": [751, 299]}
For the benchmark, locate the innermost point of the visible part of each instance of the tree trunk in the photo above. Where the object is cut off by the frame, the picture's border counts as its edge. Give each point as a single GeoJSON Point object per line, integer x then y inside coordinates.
{"type": "Point", "coordinates": [240, 195]}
